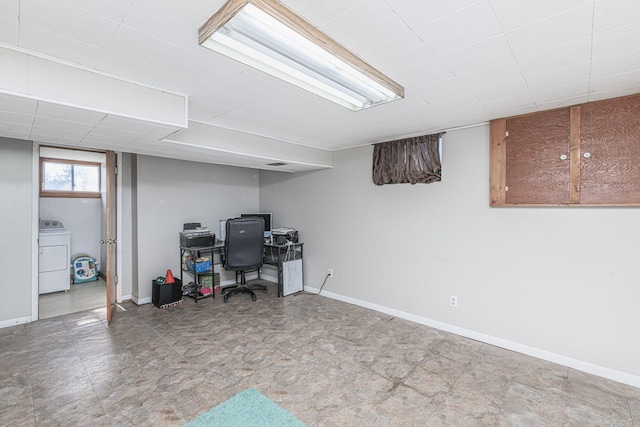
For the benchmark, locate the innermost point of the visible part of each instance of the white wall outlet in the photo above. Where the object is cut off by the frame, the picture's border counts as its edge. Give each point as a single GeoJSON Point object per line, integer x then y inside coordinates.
{"type": "Point", "coordinates": [331, 272]}
{"type": "Point", "coordinates": [453, 301]}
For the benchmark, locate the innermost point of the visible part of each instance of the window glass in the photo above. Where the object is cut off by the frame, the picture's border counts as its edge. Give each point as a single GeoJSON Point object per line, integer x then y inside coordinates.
{"type": "Point", "coordinates": [68, 178]}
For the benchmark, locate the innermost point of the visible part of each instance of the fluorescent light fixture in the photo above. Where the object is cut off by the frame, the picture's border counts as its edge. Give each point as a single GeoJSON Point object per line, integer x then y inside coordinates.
{"type": "Point", "coordinates": [266, 35]}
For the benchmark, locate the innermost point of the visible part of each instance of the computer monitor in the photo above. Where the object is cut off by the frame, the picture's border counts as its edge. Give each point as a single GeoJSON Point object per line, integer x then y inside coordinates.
{"type": "Point", "coordinates": [267, 221]}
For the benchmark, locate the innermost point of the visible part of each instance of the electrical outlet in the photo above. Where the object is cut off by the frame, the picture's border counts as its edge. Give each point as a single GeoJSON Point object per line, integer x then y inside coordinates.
{"type": "Point", "coordinates": [331, 272]}
{"type": "Point", "coordinates": [453, 301]}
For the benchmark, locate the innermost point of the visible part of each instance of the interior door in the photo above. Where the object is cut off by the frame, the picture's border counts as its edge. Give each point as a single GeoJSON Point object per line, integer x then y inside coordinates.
{"type": "Point", "coordinates": [110, 238]}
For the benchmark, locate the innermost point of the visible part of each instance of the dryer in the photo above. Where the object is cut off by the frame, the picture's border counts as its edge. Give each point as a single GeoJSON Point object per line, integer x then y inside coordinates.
{"type": "Point", "coordinates": [54, 257]}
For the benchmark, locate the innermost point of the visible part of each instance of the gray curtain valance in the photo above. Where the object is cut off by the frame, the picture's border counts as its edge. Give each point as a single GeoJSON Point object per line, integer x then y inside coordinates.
{"type": "Point", "coordinates": [411, 160]}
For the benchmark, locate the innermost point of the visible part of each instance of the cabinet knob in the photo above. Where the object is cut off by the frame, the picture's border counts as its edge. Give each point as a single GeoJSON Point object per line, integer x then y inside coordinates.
{"type": "Point", "coordinates": [587, 155]}
{"type": "Point", "coordinates": [563, 157]}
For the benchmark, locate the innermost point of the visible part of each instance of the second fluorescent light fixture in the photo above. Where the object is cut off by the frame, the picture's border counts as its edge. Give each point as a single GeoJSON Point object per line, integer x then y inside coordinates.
{"type": "Point", "coordinates": [266, 35]}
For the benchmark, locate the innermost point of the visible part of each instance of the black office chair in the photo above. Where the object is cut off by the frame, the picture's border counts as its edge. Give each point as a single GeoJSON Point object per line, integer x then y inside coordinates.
{"type": "Point", "coordinates": [243, 250]}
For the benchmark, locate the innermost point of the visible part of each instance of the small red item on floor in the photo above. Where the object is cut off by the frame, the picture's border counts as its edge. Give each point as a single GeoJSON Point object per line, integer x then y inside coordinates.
{"type": "Point", "coordinates": [169, 277]}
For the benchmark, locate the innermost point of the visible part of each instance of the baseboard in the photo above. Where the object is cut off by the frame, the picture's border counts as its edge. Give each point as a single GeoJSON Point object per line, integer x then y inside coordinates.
{"type": "Point", "coordinates": [140, 301]}
{"type": "Point", "coordinates": [579, 365]}
{"type": "Point", "coordinates": [14, 322]}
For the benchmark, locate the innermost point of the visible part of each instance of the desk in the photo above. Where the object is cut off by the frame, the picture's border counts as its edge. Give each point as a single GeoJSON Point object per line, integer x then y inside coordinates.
{"type": "Point", "coordinates": [274, 255]}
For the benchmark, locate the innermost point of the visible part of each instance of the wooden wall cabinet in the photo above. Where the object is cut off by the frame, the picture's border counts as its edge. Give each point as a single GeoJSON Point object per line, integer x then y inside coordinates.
{"type": "Point", "coordinates": [586, 155]}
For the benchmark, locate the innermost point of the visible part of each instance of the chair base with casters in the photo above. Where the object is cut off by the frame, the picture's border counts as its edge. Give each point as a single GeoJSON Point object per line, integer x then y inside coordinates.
{"type": "Point", "coordinates": [243, 288]}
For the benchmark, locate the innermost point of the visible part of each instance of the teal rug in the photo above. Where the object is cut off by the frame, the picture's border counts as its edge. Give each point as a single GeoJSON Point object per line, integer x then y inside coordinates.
{"type": "Point", "coordinates": [247, 409]}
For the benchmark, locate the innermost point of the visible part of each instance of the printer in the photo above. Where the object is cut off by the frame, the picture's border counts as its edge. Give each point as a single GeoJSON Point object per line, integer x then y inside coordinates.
{"type": "Point", "coordinates": [197, 237]}
{"type": "Point", "coordinates": [289, 234]}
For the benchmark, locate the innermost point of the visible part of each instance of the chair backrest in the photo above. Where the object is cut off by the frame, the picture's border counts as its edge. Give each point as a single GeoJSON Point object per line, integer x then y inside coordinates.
{"type": "Point", "coordinates": [244, 243]}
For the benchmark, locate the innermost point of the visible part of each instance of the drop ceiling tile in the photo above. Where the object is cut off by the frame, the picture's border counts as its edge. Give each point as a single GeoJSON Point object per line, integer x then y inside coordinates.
{"type": "Point", "coordinates": [463, 28]}
{"type": "Point", "coordinates": [512, 105]}
{"type": "Point", "coordinates": [60, 126]}
{"type": "Point", "coordinates": [571, 90]}
{"type": "Point", "coordinates": [9, 132]}
{"type": "Point", "coordinates": [52, 137]}
{"type": "Point", "coordinates": [613, 14]}
{"type": "Point", "coordinates": [442, 89]}
{"type": "Point", "coordinates": [9, 24]}
{"type": "Point", "coordinates": [516, 14]}
{"type": "Point", "coordinates": [477, 56]}
{"type": "Point", "coordinates": [556, 58]}
{"type": "Point", "coordinates": [145, 48]}
{"type": "Point", "coordinates": [612, 93]}
{"type": "Point", "coordinates": [115, 10]}
{"type": "Point", "coordinates": [493, 75]}
{"type": "Point", "coordinates": [18, 104]}
{"type": "Point", "coordinates": [504, 90]}
{"type": "Point", "coordinates": [558, 30]}
{"type": "Point", "coordinates": [616, 64]}
{"type": "Point", "coordinates": [70, 21]}
{"type": "Point", "coordinates": [50, 129]}
{"type": "Point", "coordinates": [200, 69]}
{"type": "Point", "coordinates": [455, 101]}
{"type": "Point", "coordinates": [68, 114]}
{"type": "Point", "coordinates": [167, 21]}
{"type": "Point", "coordinates": [616, 41]}
{"type": "Point", "coordinates": [134, 70]}
{"type": "Point", "coordinates": [629, 81]}
{"type": "Point", "coordinates": [367, 25]}
{"type": "Point", "coordinates": [320, 13]}
{"type": "Point", "coordinates": [7, 117]}
{"type": "Point", "coordinates": [560, 77]}
{"type": "Point", "coordinates": [203, 110]}
{"type": "Point", "coordinates": [418, 14]}
{"type": "Point", "coordinates": [56, 45]}
{"type": "Point", "coordinates": [206, 8]}
{"type": "Point", "coordinates": [430, 71]}
{"type": "Point", "coordinates": [560, 103]}
{"type": "Point", "coordinates": [402, 52]}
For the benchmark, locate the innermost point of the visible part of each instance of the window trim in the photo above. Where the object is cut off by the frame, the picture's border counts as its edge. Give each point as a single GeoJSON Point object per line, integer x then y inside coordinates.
{"type": "Point", "coordinates": [69, 194]}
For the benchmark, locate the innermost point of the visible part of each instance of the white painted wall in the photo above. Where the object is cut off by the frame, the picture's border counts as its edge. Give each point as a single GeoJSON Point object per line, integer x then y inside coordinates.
{"type": "Point", "coordinates": [559, 283]}
{"type": "Point", "coordinates": [173, 192]}
{"type": "Point", "coordinates": [82, 217]}
{"type": "Point", "coordinates": [15, 226]}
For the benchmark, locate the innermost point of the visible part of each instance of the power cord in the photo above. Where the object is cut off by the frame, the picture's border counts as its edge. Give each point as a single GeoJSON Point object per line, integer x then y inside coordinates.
{"type": "Point", "coordinates": [318, 293]}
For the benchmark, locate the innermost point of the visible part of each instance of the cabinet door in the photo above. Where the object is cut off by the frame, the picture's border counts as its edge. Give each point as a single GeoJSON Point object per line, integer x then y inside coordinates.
{"type": "Point", "coordinates": [537, 161]}
{"type": "Point", "coordinates": [610, 152]}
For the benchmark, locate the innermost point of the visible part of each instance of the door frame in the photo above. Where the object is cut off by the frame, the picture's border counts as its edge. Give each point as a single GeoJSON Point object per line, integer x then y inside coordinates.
{"type": "Point", "coordinates": [35, 223]}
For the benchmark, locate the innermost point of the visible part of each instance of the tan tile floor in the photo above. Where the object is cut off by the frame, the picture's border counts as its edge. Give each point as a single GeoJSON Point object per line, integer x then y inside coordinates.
{"type": "Point", "coordinates": [327, 362]}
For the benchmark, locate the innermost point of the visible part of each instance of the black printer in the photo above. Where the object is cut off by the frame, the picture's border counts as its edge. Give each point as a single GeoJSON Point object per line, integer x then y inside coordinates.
{"type": "Point", "coordinates": [197, 236]}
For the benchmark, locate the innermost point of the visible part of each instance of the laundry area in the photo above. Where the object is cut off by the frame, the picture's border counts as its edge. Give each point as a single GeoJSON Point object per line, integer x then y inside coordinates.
{"type": "Point", "coordinates": [70, 254]}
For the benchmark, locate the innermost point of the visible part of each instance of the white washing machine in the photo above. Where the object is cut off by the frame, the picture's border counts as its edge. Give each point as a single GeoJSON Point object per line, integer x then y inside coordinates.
{"type": "Point", "coordinates": [54, 257]}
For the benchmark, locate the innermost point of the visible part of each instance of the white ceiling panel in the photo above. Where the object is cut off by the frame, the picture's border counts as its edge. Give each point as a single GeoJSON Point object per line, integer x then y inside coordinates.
{"type": "Point", "coordinates": [493, 75]}
{"type": "Point", "coordinates": [478, 56]}
{"type": "Point", "coordinates": [616, 41]}
{"type": "Point", "coordinates": [116, 10]}
{"type": "Point", "coordinates": [460, 62]}
{"type": "Point", "coordinates": [557, 30]}
{"type": "Point", "coordinates": [466, 27]}
{"type": "Point", "coordinates": [42, 41]}
{"type": "Point", "coordinates": [556, 58]}
{"type": "Point", "coordinates": [515, 14]}
{"type": "Point", "coordinates": [165, 20]}
{"type": "Point", "coordinates": [560, 77]}
{"type": "Point", "coordinates": [369, 24]}
{"type": "Point", "coordinates": [70, 21]}
{"type": "Point", "coordinates": [418, 14]}
{"type": "Point", "coordinates": [616, 64]}
{"type": "Point", "coordinates": [613, 14]}
{"type": "Point", "coordinates": [9, 24]}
